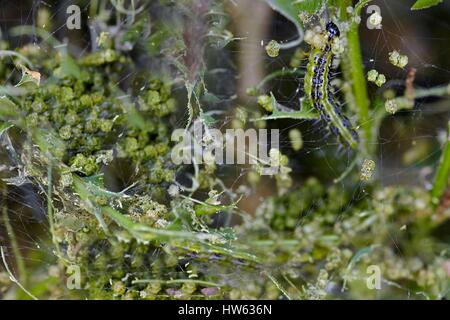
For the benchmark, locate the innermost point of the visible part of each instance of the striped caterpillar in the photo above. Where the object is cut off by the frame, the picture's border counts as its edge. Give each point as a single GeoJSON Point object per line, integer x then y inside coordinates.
{"type": "Point", "coordinates": [318, 89]}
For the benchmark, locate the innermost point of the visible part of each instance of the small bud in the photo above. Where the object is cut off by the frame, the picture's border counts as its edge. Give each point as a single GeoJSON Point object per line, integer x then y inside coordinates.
{"type": "Point", "coordinates": [372, 75]}
{"type": "Point", "coordinates": [402, 61]}
{"type": "Point", "coordinates": [273, 49]}
{"type": "Point", "coordinates": [367, 169]}
{"type": "Point", "coordinates": [391, 106]}
{"type": "Point", "coordinates": [394, 56]}
{"type": "Point", "coordinates": [318, 41]}
{"type": "Point", "coordinates": [275, 157]}
{"type": "Point", "coordinates": [397, 59]}
{"type": "Point", "coordinates": [296, 139]}
{"type": "Point", "coordinates": [381, 79]}
{"type": "Point", "coordinates": [173, 190]}
{"type": "Point", "coordinates": [265, 101]}
{"type": "Point", "coordinates": [357, 19]}
{"type": "Point", "coordinates": [102, 39]}
{"type": "Point", "coordinates": [337, 47]}
{"type": "Point", "coordinates": [309, 34]}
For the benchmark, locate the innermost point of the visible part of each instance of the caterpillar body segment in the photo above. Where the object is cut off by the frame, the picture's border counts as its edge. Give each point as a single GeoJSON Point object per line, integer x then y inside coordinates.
{"type": "Point", "coordinates": [319, 92]}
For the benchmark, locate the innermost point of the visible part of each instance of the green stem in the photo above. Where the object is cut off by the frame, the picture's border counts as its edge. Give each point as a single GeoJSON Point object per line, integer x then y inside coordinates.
{"type": "Point", "coordinates": [93, 8]}
{"type": "Point", "coordinates": [355, 73]}
{"type": "Point", "coordinates": [278, 285]}
{"type": "Point", "coordinates": [11, 275]}
{"type": "Point", "coordinates": [176, 281]}
{"type": "Point", "coordinates": [429, 92]}
{"type": "Point", "coordinates": [20, 262]}
{"type": "Point", "coordinates": [347, 171]}
{"type": "Point", "coordinates": [51, 218]}
{"type": "Point", "coordinates": [442, 173]}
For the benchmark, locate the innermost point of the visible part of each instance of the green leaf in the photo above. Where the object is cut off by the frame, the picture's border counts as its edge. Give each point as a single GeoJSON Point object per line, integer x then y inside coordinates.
{"type": "Point", "coordinates": [154, 42]}
{"type": "Point", "coordinates": [4, 126]}
{"type": "Point", "coordinates": [290, 9]}
{"type": "Point", "coordinates": [207, 119]}
{"type": "Point", "coordinates": [136, 31]}
{"type": "Point", "coordinates": [209, 209]}
{"type": "Point", "coordinates": [289, 115]}
{"type": "Point", "coordinates": [8, 109]}
{"type": "Point", "coordinates": [210, 98]}
{"type": "Point", "coordinates": [135, 119]}
{"type": "Point", "coordinates": [310, 6]}
{"type": "Point", "coordinates": [424, 4]}
{"type": "Point", "coordinates": [96, 179]}
{"type": "Point", "coordinates": [49, 142]}
{"type": "Point", "coordinates": [279, 112]}
{"type": "Point", "coordinates": [442, 172]}
{"type": "Point", "coordinates": [29, 77]}
{"type": "Point", "coordinates": [69, 67]}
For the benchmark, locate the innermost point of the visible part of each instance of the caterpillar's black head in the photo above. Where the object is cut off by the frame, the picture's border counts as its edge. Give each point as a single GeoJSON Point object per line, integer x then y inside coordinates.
{"type": "Point", "coordinates": [333, 30]}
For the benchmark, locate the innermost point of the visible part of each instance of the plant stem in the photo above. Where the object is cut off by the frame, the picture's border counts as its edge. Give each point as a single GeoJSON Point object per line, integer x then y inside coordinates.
{"type": "Point", "coordinates": [442, 173]}
{"type": "Point", "coordinates": [278, 285]}
{"type": "Point", "coordinates": [175, 281]}
{"type": "Point", "coordinates": [11, 275]}
{"type": "Point", "coordinates": [93, 8]}
{"type": "Point", "coordinates": [359, 83]}
{"type": "Point", "coordinates": [355, 69]}
{"type": "Point", "coordinates": [14, 244]}
{"type": "Point", "coordinates": [429, 92]}
{"type": "Point", "coordinates": [51, 218]}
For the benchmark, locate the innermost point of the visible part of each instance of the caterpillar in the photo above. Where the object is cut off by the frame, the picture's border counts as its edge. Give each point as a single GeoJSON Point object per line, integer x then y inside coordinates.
{"type": "Point", "coordinates": [318, 89]}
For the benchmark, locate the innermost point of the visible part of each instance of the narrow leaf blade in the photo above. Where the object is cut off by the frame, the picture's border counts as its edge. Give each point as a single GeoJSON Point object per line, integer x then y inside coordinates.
{"type": "Point", "coordinates": [424, 4]}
